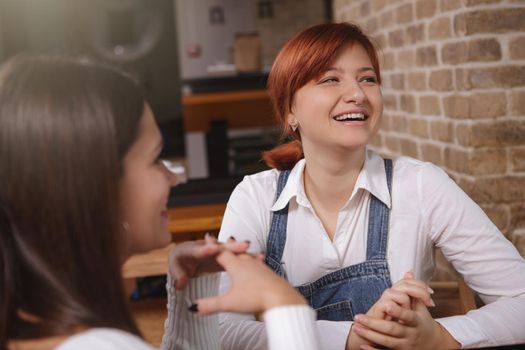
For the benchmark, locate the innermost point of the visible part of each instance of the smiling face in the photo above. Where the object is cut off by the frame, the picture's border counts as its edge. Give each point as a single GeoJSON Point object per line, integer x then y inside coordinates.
{"type": "Point", "coordinates": [341, 109]}
{"type": "Point", "coordinates": [144, 190]}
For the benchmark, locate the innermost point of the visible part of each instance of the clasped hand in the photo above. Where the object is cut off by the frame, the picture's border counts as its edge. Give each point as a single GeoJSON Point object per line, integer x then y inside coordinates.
{"type": "Point", "coordinates": [400, 320]}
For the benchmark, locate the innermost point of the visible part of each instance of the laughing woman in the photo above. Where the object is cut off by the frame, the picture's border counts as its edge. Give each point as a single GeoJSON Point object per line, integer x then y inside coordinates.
{"type": "Point", "coordinates": [344, 225]}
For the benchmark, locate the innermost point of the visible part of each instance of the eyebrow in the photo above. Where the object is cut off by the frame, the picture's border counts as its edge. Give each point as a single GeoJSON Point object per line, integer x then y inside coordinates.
{"type": "Point", "coordinates": [360, 70]}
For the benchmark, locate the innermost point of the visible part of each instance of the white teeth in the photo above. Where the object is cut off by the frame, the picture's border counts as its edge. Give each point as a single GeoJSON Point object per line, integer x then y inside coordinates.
{"type": "Point", "coordinates": [350, 116]}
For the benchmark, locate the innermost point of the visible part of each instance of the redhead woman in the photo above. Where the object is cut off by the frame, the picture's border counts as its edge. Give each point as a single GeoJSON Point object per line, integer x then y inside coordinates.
{"type": "Point", "coordinates": [356, 233]}
{"type": "Point", "coordinates": [81, 189]}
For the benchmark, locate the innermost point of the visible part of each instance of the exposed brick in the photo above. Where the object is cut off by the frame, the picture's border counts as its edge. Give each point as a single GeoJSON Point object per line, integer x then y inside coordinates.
{"type": "Point", "coordinates": [418, 127]}
{"type": "Point", "coordinates": [431, 153]}
{"type": "Point", "coordinates": [365, 8]}
{"type": "Point", "coordinates": [390, 102]}
{"type": "Point", "coordinates": [425, 8]}
{"type": "Point", "coordinates": [404, 13]}
{"type": "Point", "coordinates": [483, 105]}
{"type": "Point", "coordinates": [484, 50]}
{"type": "Point", "coordinates": [399, 123]}
{"type": "Point", "coordinates": [392, 143]}
{"type": "Point", "coordinates": [387, 61]}
{"type": "Point", "coordinates": [426, 56]}
{"type": "Point", "coordinates": [457, 106]}
{"type": "Point", "coordinates": [454, 53]}
{"type": "Point", "coordinates": [396, 38]}
{"type": "Point", "coordinates": [440, 28]}
{"type": "Point", "coordinates": [377, 5]}
{"type": "Point", "coordinates": [405, 59]}
{"type": "Point", "coordinates": [386, 122]}
{"type": "Point", "coordinates": [504, 189]}
{"type": "Point", "coordinates": [371, 25]}
{"type": "Point", "coordinates": [480, 2]}
{"type": "Point", "coordinates": [517, 106]}
{"type": "Point", "coordinates": [442, 130]}
{"type": "Point", "coordinates": [429, 105]}
{"type": "Point", "coordinates": [517, 211]}
{"type": "Point", "coordinates": [490, 21]}
{"type": "Point", "coordinates": [462, 82]}
{"type": "Point", "coordinates": [380, 41]}
{"type": "Point", "coordinates": [387, 19]}
{"type": "Point", "coordinates": [417, 81]}
{"type": "Point", "coordinates": [377, 141]}
{"type": "Point", "coordinates": [506, 76]}
{"type": "Point", "coordinates": [517, 48]}
{"type": "Point", "coordinates": [517, 156]}
{"type": "Point", "coordinates": [478, 162]}
{"type": "Point", "coordinates": [488, 105]}
{"type": "Point", "coordinates": [519, 242]}
{"type": "Point", "coordinates": [415, 33]}
{"type": "Point", "coordinates": [441, 80]}
{"type": "Point", "coordinates": [499, 215]}
{"type": "Point", "coordinates": [409, 148]}
{"type": "Point", "coordinates": [449, 5]}
{"type": "Point", "coordinates": [475, 51]}
{"type": "Point", "coordinates": [397, 81]}
{"type": "Point", "coordinates": [408, 103]}
{"type": "Point", "coordinates": [492, 134]}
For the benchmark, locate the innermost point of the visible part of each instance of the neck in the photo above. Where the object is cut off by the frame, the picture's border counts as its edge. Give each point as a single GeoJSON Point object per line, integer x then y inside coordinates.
{"type": "Point", "coordinates": [329, 179]}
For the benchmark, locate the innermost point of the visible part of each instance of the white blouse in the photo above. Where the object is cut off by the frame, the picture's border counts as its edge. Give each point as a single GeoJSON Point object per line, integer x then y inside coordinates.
{"type": "Point", "coordinates": [427, 210]}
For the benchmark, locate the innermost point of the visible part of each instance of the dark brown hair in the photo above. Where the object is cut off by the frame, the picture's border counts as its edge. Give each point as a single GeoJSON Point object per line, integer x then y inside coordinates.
{"type": "Point", "coordinates": [65, 125]}
{"type": "Point", "coordinates": [305, 57]}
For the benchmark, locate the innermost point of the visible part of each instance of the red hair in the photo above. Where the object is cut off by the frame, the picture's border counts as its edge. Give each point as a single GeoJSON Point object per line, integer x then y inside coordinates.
{"type": "Point", "coordinates": [305, 57]}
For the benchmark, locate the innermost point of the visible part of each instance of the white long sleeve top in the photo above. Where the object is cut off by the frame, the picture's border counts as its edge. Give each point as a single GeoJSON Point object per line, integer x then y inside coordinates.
{"type": "Point", "coordinates": [290, 327]}
{"type": "Point", "coordinates": [427, 210]}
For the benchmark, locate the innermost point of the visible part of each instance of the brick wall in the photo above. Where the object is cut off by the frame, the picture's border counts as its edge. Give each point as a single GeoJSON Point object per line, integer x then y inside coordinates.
{"type": "Point", "coordinates": [454, 91]}
{"type": "Point", "coordinates": [289, 18]}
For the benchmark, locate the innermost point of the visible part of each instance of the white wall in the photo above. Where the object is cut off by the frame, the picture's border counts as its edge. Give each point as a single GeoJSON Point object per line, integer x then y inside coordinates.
{"type": "Point", "coordinates": [216, 41]}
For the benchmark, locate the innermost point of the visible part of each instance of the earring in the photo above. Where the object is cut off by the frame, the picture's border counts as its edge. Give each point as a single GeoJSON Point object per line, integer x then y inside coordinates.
{"type": "Point", "coordinates": [125, 226]}
{"type": "Point", "coordinates": [294, 127]}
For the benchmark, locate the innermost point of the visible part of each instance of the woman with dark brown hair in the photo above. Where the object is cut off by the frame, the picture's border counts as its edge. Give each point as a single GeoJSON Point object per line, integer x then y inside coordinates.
{"type": "Point", "coordinates": [355, 233]}
{"type": "Point", "coordinates": [81, 189]}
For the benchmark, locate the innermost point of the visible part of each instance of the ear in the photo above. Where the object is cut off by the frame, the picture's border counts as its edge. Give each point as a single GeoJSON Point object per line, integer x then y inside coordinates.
{"type": "Point", "coordinates": [291, 119]}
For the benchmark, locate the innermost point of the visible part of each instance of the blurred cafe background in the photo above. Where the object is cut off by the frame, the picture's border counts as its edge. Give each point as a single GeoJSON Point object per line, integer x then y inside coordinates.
{"type": "Point", "coordinates": [453, 76]}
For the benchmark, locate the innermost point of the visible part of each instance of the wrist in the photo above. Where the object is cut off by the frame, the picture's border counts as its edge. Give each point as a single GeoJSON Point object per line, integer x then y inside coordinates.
{"type": "Point", "coordinates": [444, 339]}
{"type": "Point", "coordinates": [287, 296]}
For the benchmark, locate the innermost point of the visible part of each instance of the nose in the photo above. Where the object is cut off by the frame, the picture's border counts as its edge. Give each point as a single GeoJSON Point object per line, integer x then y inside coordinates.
{"type": "Point", "coordinates": [353, 93]}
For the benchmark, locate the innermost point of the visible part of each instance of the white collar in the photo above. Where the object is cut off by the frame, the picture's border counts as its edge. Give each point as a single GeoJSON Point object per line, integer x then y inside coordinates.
{"type": "Point", "coordinates": [372, 178]}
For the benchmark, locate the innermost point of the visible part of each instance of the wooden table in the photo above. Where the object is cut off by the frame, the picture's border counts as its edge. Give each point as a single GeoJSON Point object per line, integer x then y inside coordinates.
{"type": "Point", "coordinates": [185, 223]}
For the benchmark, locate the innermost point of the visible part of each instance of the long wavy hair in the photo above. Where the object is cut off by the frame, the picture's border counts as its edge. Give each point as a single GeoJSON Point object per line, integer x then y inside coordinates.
{"type": "Point", "coordinates": [65, 126]}
{"type": "Point", "coordinates": [305, 57]}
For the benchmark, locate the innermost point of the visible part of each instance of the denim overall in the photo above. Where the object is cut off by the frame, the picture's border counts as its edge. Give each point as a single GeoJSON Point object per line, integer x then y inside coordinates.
{"type": "Point", "coordinates": [339, 295]}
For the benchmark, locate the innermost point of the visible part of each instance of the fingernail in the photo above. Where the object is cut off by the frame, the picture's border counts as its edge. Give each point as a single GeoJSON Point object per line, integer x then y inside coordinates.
{"type": "Point", "coordinates": [207, 235]}
{"type": "Point", "coordinates": [193, 308]}
{"type": "Point", "coordinates": [432, 303]}
{"type": "Point", "coordinates": [430, 290]}
{"type": "Point", "coordinates": [232, 238]}
{"type": "Point", "coordinates": [358, 318]}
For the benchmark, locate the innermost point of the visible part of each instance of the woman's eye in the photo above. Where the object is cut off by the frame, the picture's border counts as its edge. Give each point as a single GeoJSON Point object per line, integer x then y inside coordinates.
{"type": "Point", "coordinates": [369, 79]}
{"type": "Point", "coordinates": [329, 80]}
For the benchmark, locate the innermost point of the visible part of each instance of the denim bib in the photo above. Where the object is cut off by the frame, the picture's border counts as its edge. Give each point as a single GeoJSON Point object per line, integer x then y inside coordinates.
{"type": "Point", "coordinates": [341, 294]}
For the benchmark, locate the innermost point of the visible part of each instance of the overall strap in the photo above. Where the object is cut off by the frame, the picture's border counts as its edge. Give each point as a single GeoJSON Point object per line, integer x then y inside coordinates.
{"type": "Point", "coordinates": [378, 219]}
{"type": "Point", "coordinates": [277, 235]}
